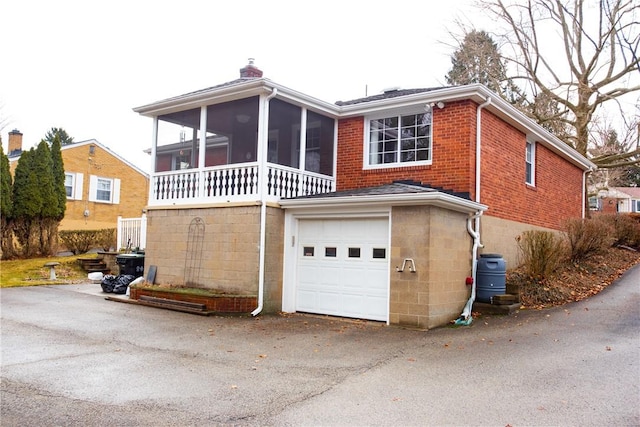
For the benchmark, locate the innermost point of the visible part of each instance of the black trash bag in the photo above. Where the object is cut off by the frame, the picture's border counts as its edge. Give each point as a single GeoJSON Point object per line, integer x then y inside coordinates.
{"type": "Point", "coordinates": [122, 282]}
{"type": "Point", "coordinates": [108, 282]}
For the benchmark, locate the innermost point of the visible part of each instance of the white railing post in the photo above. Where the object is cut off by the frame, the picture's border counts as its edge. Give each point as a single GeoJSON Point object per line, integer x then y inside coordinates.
{"type": "Point", "coordinates": [143, 231]}
{"type": "Point", "coordinates": [119, 235]}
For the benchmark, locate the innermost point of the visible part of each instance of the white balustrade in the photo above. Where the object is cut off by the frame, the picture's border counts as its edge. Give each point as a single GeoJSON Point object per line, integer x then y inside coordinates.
{"type": "Point", "coordinates": [234, 183]}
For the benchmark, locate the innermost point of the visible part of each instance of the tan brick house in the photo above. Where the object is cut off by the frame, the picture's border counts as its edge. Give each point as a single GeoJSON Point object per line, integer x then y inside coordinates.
{"type": "Point", "coordinates": [374, 208]}
{"type": "Point", "coordinates": [101, 185]}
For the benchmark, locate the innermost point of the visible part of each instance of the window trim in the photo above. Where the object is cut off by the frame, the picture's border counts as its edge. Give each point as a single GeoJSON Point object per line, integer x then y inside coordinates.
{"type": "Point", "coordinates": [76, 185]}
{"type": "Point", "coordinates": [93, 190]}
{"type": "Point", "coordinates": [530, 162]}
{"type": "Point", "coordinates": [414, 110]}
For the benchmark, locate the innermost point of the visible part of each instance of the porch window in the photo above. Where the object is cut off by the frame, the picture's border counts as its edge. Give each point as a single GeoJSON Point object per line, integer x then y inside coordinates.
{"type": "Point", "coordinates": [530, 159]}
{"type": "Point", "coordinates": [399, 140]}
{"type": "Point", "coordinates": [232, 132]}
{"type": "Point", "coordinates": [319, 144]}
{"type": "Point", "coordinates": [284, 133]}
{"type": "Point", "coordinates": [178, 135]}
{"type": "Point", "coordinates": [285, 139]}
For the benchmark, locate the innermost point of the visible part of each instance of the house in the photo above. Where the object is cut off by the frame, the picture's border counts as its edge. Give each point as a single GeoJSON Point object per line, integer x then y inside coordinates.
{"type": "Point", "coordinates": [374, 208]}
{"type": "Point", "coordinates": [101, 185]}
{"type": "Point", "coordinates": [616, 200]}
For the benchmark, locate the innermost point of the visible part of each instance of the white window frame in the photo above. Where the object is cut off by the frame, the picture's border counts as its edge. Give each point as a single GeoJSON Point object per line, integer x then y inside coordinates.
{"type": "Point", "coordinates": [530, 163]}
{"type": "Point", "coordinates": [635, 205]}
{"type": "Point", "coordinates": [76, 185]}
{"type": "Point", "coordinates": [397, 164]}
{"type": "Point", "coordinates": [114, 184]}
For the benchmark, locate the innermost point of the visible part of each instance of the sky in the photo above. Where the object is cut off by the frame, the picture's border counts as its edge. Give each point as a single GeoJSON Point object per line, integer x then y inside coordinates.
{"type": "Point", "coordinates": [84, 65]}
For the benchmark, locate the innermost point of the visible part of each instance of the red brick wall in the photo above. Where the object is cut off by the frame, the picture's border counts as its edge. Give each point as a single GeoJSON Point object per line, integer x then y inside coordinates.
{"type": "Point", "coordinates": [557, 194]}
{"type": "Point", "coordinates": [453, 153]}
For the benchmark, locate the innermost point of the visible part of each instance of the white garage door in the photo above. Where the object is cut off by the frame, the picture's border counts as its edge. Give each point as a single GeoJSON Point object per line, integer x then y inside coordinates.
{"type": "Point", "coordinates": [343, 268]}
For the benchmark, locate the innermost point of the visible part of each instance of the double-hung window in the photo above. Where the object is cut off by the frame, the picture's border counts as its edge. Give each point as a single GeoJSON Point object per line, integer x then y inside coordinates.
{"type": "Point", "coordinates": [104, 190]}
{"type": "Point", "coordinates": [530, 161]}
{"type": "Point", "coordinates": [398, 140]}
{"type": "Point", "coordinates": [73, 185]}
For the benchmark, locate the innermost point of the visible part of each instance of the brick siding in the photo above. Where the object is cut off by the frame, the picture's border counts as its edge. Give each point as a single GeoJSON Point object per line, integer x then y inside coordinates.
{"type": "Point", "coordinates": [556, 196]}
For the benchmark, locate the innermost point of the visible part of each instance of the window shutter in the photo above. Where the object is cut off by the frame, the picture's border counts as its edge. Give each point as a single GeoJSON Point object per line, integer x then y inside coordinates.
{"type": "Point", "coordinates": [115, 198]}
{"type": "Point", "coordinates": [77, 187]}
{"type": "Point", "coordinates": [93, 188]}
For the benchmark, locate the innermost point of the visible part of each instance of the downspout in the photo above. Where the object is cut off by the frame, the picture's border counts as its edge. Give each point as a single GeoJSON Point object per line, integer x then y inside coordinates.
{"type": "Point", "coordinates": [465, 318]}
{"type": "Point", "coordinates": [263, 201]}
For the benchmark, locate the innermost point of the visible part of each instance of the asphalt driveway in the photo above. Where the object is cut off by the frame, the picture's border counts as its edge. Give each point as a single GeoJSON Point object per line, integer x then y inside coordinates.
{"type": "Point", "coordinates": [70, 357]}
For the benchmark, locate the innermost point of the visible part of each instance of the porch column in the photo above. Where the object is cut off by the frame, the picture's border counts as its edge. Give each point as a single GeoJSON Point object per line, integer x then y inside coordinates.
{"type": "Point", "coordinates": [303, 140]}
{"type": "Point", "coordinates": [154, 149]}
{"type": "Point", "coordinates": [203, 149]}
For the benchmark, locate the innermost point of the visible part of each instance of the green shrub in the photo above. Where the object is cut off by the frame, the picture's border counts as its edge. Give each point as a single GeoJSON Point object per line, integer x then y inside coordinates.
{"type": "Point", "coordinates": [588, 236]}
{"type": "Point", "coordinates": [541, 252]}
{"type": "Point", "coordinates": [81, 241]}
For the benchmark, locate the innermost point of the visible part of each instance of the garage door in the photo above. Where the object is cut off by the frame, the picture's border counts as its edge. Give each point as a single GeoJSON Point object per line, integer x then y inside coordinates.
{"type": "Point", "coordinates": [343, 268]}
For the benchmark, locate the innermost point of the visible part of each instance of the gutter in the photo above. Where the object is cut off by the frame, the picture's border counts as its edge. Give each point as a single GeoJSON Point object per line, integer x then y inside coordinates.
{"type": "Point", "coordinates": [263, 206]}
{"type": "Point", "coordinates": [466, 318]}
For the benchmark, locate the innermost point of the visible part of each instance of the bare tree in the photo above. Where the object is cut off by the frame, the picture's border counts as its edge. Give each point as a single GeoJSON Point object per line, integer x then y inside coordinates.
{"type": "Point", "coordinates": [593, 61]}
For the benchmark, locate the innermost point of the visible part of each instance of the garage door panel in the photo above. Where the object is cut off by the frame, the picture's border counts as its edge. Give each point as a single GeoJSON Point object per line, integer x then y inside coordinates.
{"type": "Point", "coordinates": [339, 284]}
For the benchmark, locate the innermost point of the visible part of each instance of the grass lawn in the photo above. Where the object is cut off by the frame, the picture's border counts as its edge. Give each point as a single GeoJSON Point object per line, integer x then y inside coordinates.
{"type": "Point", "coordinates": [32, 272]}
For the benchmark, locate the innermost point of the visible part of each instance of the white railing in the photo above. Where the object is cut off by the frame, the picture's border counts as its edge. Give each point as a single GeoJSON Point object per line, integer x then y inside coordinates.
{"type": "Point", "coordinates": [132, 233]}
{"type": "Point", "coordinates": [234, 183]}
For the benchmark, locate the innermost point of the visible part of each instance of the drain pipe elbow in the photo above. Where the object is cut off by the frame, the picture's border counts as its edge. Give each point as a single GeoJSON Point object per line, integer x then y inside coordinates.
{"type": "Point", "coordinates": [263, 207]}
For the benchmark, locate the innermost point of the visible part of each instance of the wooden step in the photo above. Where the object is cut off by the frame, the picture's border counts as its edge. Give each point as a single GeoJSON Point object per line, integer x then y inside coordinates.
{"type": "Point", "coordinates": [190, 307]}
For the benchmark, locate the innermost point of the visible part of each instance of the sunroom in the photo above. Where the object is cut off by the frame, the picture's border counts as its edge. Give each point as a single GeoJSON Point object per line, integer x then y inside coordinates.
{"type": "Point", "coordinates": [244, 141]}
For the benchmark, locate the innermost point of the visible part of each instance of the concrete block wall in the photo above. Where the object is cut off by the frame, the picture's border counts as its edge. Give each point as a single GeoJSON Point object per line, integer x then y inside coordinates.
{"type": "Point", "coordinates": [409, 292]}
{"type": "Point", "coordinates": [450, 265]}
{"type": "Point", "coordinates": [230, 250]}
{"type": "Point", "coordinates": [499, 237]}
{"type": "Point", "coordinates": [437, 240]}
{"type": "Point", "coordinates": [274, 260]}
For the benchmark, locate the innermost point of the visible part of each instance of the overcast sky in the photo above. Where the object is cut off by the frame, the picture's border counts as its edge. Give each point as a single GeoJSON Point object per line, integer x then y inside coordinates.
{"type": "Point", "coordinates": [83, 65]}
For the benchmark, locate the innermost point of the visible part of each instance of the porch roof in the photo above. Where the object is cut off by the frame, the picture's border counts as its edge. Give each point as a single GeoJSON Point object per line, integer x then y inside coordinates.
{"type": "Point", "coordinates": [398, 193]}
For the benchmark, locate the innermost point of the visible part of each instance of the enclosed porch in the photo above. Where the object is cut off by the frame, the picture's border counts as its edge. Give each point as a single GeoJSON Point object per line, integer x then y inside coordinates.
{"type": "Point", "coordinates": [257, 148]}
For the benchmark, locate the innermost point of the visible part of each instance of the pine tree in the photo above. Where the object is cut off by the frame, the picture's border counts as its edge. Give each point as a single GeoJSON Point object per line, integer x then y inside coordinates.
{"type": "Point", "coordinates": [48, 216]}
{"type": "Point", "coordinates": [6, 207]}
{"type": "Point", "coordinates": [59, 177]}
{"type": "Point", "coordinates": [478, 60]}
{"type": "Point", "coordinates": [59, 133]}
{"type": "Point", "coordinates": [27, 202]}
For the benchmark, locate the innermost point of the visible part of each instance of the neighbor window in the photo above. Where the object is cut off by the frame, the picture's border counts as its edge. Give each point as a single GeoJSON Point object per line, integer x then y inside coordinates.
{"type": "Point", "coordinates": [399, 140]}
{"type": "Point", "coordinates": [68, 184]}
{"type": "Point", "coordinates": [530, 161]}
{"type": "Point", "coordinates": [105, 190]}
{"type": "Point", "coordinates": [73, 185]}
{"type": "Point", "coordinates": [635, 206]}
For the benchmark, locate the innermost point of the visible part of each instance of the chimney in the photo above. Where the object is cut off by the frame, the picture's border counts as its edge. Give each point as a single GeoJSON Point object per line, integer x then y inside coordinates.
{"type": "Point", "coordinates": [15, 143]}
{"type": "Point", "coordinates": [250, 71]}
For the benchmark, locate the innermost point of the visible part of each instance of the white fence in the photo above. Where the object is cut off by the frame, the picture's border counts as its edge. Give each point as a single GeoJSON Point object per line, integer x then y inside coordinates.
{"type": "Point", "coordinates": [132, 233]}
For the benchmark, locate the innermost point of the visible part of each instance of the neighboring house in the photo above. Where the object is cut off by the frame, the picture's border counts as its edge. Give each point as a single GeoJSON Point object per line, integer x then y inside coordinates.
{"type": "Point", "coordinates": [100, 184]}
{"type": "Point", "coordinates": [616, 200]}
{"type": "Point", "coordinates": [372, 208]}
